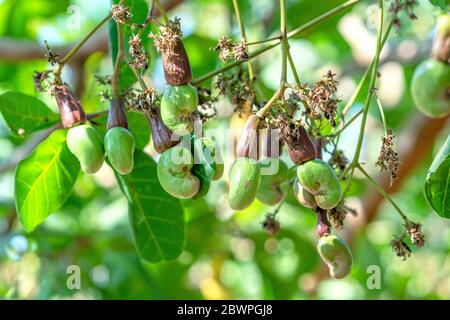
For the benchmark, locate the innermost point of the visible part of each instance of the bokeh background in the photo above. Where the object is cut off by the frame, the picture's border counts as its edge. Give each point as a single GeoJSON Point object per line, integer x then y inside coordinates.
{"type": "Point", "coordinates": [228, 255]}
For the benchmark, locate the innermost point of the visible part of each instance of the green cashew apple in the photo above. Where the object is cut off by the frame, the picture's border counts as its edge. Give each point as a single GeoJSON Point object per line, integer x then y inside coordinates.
{"type": "Point", "coordinates": [177, 104]}
{"type": "Point", "coordinates": [430, 88]}
{"type": "Point", "coordinates": [85, 143]}
{"type": "Point", "coordinates": [119, 147]}
{"type": "Point", "coordinates": [273, 188]}
{"type": "Point", "coordinates": [245, 176]}
{"type": "Point", "coordinates": [318, 178]}
{"type": "Point", "coordinates": [304, 197]}
{"type": "Point", "coordinates": [336, 254]}
{"type": "Point", "coordinates": [174, 173]}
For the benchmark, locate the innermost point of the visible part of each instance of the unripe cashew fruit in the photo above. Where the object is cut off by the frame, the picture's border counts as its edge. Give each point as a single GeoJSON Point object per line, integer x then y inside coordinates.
{"type": "Point", "coordinates": [174, 173]}
{"type": "Point", "coordinates": [430, 88]}
{"type": "Point", "coordinates": [336, 254]}
{"type": "Point", "coordinates": [244, 183]}
{"type": "Point", "coordinates": [70, 109]}
{"type": "Point", "coordinates": [85, 143]}
{"type": "Point", "coordinates": [177, 104]}
{"type": "Point", "coordinates": [317, 177]}
{"type": "Point", "coordinates": [119, 148]}
{"type": "Point", "coordinates": [207, 166]}
{"type": "Point", "coordinates": [272, 188]}
{"type": "Point", "coordinates": [162, 137]}
{"type": "Point", "coordinates": [303, 196]}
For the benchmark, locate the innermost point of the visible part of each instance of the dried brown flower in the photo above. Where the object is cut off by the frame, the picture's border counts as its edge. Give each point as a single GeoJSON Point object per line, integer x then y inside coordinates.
{"type": "Point", "coordinates": [415, 232]}
{"type": "Point", "coordinates": [121, 14]}
{"type": "Point", "coordinates": [206, 108]}
{"type": "Point", "coordinates": [271, 225]}
{"type": "Point", "coordinates": [337, 215]}
{"type": "Point", "coordinates": [388, 160]}
{"type": "Point", "coordinates": [339, 160]}
{"type": "Point", "coordinates": [52, 58]}
{"type": "Point", "coordinates": [240, 51]}
{"type": "Point", "coordinates": [401, 248]}
{"type": "Point", "coordinates": [402, 5]}
{"type": "Point", "coordinates": [320, 99]}
{"type": "Point", "coordinates": [229, 50]}
{"type": "Point", "coordinates": [137, 52]}
{"type": "Point", "coordinates": [40, 80]}
{"type": "Point", "coordinates": [236, 87]}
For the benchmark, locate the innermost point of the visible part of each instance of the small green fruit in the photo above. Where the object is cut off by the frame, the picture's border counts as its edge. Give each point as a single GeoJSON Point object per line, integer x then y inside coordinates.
{"type": "Point", "coordinates": [174, 173]}
{"type": "Point", "coordinates": [303, 196]}
{"type": "Point", "coordinates": [244, 183]}
{"type": "Point", "coordinates": [177, 104]}
{"type": "Point", "coordinates": [85, 143]}
{"type": "Point", "coordinates": [318, 178]}
{"type": "Point", "coordinates": [336, 254]}
{"type": "Point", "coordinates": [272, 188]}
{"type": "Point", "coordinates": [430, 88]}
{"type": "Point", "coordinates": [119, 147]}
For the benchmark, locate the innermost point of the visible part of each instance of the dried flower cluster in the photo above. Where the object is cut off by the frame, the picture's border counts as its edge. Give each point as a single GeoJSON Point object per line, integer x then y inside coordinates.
{"type": "Point", "coordinates": [402, 5]}
{"type": "Point", "coordinates": [415, 232]}
{"type": "Point", "coordinates": [320, 99]}
{"type": "Point", "coordinates": [400, 248]}
{"type": "Point", "coordinates": [121, 14]}
{"type": "Point", "coordinates": [271, 225]}
{"type": "Point", "coordinates": [137, 52]}
{"type": "Point", "coordinates": [52, 58]}
{"type": "Point", "coordinates": [142, 101]}
{"type": "Point", "coordinates": [339, 160]}
{"type": "Point", "coordinates": [236, 87]}
{"type": "Point", "coordinates": [41, 80]}
{"type": "Point", "coordinates": [166, 40]}
{"type": "Point", "coordinates": [337, 215]}
{"type": "Point", "coordinates": [229, 50]}
{"type": "Point", "coordinates": [206, 109]}
{"type": "Point", "coordinates": [388, 160]}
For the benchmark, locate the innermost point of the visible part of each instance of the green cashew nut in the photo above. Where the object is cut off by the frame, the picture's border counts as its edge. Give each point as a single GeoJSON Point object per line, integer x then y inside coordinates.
{"type": "Point", "coordinates": [177, 104]}
{"type": "Point", "coordinates": [244, 178]}
{"type": "Point", "coordinates": [303, 196]}
{"type": "Point", "coordinates": [336, 254]}
{"type": "Point", "coordinates": [430, 88]}
{"type": "Point", "coordinates": [272, 188]}
{"type": "Point", "coordinates": [119, 147]}
{"type": "Point", "coordinates": [85, 143]}
{"type": "Point", "coordinates": [318, 178]}
{"type": "Point", "coordinates": [174, 173]}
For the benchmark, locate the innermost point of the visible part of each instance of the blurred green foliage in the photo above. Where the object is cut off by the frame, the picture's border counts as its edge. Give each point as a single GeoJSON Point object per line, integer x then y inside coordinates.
{"type": "Point", "coordinates": [227, 255]}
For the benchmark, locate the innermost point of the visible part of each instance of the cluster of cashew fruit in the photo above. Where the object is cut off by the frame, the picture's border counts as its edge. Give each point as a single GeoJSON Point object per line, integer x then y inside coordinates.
{"type": "Point", "coordinates": [430, 86]}
{"type": "Point", "coordinates": [84, 141]}
{"type": "Point", "coordinates": [316, 186]}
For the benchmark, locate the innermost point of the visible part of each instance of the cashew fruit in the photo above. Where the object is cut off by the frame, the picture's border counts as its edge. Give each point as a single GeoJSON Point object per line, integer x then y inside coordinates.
{"type": "Point", "coordinates": [162, 137]}
{"type": "Point", "coordinates": [177, 69]}
{"type": "Point", "coordinates": [119, 148]}
{"type": "Point", "coordinates": [248, 144]}
{"type": "Point", "coordinates": [430, 88]}
{"type": "Point", "coordinates": [244, 179]}
{"type": "Point", "coordinates": [336, 254]}
{"type": "Point", "coordinates": [177, 104]}
{"type": "Point", "coordinates": [272, 187]}
{"type": "Point", "coordinates": [299, 145]}
{"type": "Point", "coordinates": [318, 178]}
{"type": "Point", "coordinates": [174, 173]}
{"type": "Point", "coordinates": [85, 143]}
{"type": "Point", "coordinates": [304, 197]}
{"type": "Point", "coordinates": [70, 109]}
{"type": "Point", "coordinates": [208, 164]}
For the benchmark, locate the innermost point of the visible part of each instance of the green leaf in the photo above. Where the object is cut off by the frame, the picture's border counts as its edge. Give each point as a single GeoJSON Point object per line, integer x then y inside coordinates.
{"type": "Point", "coordinates": [137, 124]}
{"type": "Point", "coordinates": [139, 8]}
{"type": "Point", "coordinates": [437, 182]}
{"type": "Point", "coordinates": [44, 180]}
{"type": "Point", "coordinates": [156, 217]}
{"type": "Point", "coordinates": [25, 113]}
{"type": "Point", "coordinates": [442, 4]}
